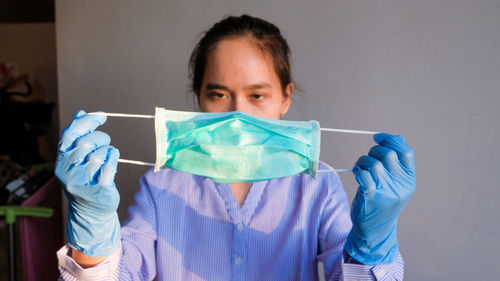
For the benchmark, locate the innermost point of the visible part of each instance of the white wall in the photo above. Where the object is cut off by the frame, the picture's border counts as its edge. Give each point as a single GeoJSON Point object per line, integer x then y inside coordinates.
{"type": "Point", "coordinates": [426, 69]}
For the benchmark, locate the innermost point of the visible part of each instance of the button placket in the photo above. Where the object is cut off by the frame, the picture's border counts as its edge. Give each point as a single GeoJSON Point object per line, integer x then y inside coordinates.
{"type": "Point", "coordinates": [239, 250]}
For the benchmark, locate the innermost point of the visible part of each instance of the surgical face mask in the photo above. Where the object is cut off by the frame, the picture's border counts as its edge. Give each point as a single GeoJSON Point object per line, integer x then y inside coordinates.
{"type": "Point", "coordinates": [234, 146]}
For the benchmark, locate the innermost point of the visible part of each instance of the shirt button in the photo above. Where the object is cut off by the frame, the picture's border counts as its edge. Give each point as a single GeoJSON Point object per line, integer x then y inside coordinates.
{"type": "Point", "coordinates": [240, 227]}
{"type": "Point", "coordinates": [238, 261]}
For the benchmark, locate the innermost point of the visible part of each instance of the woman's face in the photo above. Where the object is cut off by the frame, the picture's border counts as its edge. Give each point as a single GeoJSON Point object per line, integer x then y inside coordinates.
{"type": "Point", "coordinates": [240, 77]}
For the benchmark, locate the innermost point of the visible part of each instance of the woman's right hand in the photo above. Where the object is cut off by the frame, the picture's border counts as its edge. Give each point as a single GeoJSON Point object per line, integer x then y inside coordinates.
{"type": "Point", "coordinates": [86, 166]}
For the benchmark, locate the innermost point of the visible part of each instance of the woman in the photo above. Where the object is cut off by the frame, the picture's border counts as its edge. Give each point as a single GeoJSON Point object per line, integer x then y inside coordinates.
{"type": "Point", "coordinates": [188, 227]}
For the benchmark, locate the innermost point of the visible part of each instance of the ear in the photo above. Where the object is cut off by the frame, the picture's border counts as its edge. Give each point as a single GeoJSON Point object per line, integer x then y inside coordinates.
{"type": "Point", "coordinates": [287, 100]}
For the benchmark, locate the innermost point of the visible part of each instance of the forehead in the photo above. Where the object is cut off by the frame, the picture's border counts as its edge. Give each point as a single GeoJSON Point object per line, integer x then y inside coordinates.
{"type": "Point", "coordinates": [239, 61]}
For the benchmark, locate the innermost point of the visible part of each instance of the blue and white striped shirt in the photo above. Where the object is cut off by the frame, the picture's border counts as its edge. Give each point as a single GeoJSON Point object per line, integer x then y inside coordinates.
{"type": "Point", "coordinates": [188, 227]}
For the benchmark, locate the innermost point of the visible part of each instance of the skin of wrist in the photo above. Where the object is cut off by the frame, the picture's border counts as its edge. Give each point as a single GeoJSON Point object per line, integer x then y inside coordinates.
{"type": "Point", "coordinates": [85, 261]}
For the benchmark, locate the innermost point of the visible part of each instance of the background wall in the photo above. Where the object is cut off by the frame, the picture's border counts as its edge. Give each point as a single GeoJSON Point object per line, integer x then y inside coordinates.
{"type": "Point", "coordinates": [428, 70]}
{"type": "Point", "coordinates": [32, 48]}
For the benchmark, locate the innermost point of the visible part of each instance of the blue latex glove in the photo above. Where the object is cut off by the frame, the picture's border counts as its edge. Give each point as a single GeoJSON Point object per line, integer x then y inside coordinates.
{"type": "Point", "coordinates": [86, 166]}
{"type": "Point", "coordinates": [386, 180]}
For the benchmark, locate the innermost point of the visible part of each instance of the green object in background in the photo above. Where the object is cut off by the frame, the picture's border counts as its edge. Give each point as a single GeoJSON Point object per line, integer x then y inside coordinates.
{"type": "Point", "coordinates": [11, 212]}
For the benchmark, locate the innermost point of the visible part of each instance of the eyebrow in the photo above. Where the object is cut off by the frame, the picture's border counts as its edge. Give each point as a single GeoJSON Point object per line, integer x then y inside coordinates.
{"type": "Point", "coordinates": [258, 86]}
{"type": "Point", "coordinates": [214, 86]}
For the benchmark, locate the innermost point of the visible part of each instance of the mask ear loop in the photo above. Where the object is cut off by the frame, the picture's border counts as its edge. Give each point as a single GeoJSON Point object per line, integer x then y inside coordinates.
{"type": "Point", "coordinates": [344, 131]}
{"type": "Point", "coordinates": [348, 131]}
{"type": "Point", "coordinates": [121, 160]}
{"type": "Point", "coordinates": [135, 162]}
{"type": "Point", "coordinates": [141, 163]}
{"type": "Point", "coordinates": [326, 171]}
{"type": "Point", "coordinates": [122, 115]}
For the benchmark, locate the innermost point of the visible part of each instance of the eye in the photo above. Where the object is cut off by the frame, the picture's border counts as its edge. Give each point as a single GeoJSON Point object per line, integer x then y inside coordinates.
{"type": "Point", "coordinates": [216, 95]}
{"type": "Point", "coordinates": [257, 96]}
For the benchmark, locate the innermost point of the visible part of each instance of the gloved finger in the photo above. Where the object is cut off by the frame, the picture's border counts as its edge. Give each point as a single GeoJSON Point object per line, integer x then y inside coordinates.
{"type": "Point", "coordinates": [387, 156]}
{"type": "Point", "coordinates": [81, 125]}
{"type": "Point", "coordinates": [398, 144]}
{"type": "Point", "coordinates": [372, 165]}
{"type": "Point", "coordinates": [96, 160]}
{"type": "Point", "coordinates": [364, 178]}
{"type": "Point", "coordinates": [108, 171]}
{"type": "Point", "coordinates": [87, 144]}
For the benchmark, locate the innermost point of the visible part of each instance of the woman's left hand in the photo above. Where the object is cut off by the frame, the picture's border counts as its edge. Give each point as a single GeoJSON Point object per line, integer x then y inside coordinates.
{"type": "Point", "coordinates": [386, 178]}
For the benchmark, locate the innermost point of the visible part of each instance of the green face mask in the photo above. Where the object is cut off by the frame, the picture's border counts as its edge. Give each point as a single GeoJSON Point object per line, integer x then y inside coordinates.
{"type": "Point", "coordinates": [235, 146]}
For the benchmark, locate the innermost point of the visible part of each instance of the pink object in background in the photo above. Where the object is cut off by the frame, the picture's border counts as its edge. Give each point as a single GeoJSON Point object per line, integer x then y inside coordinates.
{"type": "Point", "coordinates": [42, 237]}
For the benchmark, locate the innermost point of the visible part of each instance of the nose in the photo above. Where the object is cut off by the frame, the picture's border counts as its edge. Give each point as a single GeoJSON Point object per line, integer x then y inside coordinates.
{"type": "Point", "coordinates": [239, 104]}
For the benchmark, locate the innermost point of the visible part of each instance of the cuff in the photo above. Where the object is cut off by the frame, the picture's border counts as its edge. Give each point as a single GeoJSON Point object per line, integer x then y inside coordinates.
{"type": "Point", "coordinates": [70, 270]}
{"type": "Point", "coordinates": [392, 271]}
{"type": "Point", "coordinates": [352, 271]}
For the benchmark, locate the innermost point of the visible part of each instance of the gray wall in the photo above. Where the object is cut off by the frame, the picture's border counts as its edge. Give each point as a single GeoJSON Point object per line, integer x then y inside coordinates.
{"type": "Point", "coordinates": [429, 70]}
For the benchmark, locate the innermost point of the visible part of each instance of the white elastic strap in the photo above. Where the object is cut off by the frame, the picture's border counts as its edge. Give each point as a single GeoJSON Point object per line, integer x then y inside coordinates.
{"type": "Point", "coordinates": [122, 115]}
{"type": "Point", "coordinates": [335, 170]}
{"type": "Point", "coordinates": [348, 131]}
{"type": "Point", "coordinates": [134, 162]}
{"type": "Point", "coordinates": [344, 131]}
{"type": "Point", "coordinates": [152, 117]}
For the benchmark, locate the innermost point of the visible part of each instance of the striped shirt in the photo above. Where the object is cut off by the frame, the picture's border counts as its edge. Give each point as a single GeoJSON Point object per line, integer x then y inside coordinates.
{"type": "Point", "coordinates": [188, 227]}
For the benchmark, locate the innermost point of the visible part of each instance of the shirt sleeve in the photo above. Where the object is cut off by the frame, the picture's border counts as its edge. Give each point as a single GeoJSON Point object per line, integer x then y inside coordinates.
{"type": "Point", "coordinates": [334, 227]}
{"type": "Point", "coordinates": [136, 258]}
{"type": "Point", "coordinates": [139, 232]}
{"type": "Point", "coordinates": [70, 270]}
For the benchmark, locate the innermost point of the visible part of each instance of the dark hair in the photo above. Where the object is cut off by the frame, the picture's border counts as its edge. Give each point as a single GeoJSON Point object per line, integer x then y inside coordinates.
{"type": "Point", "coordinates": [265, 34]}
